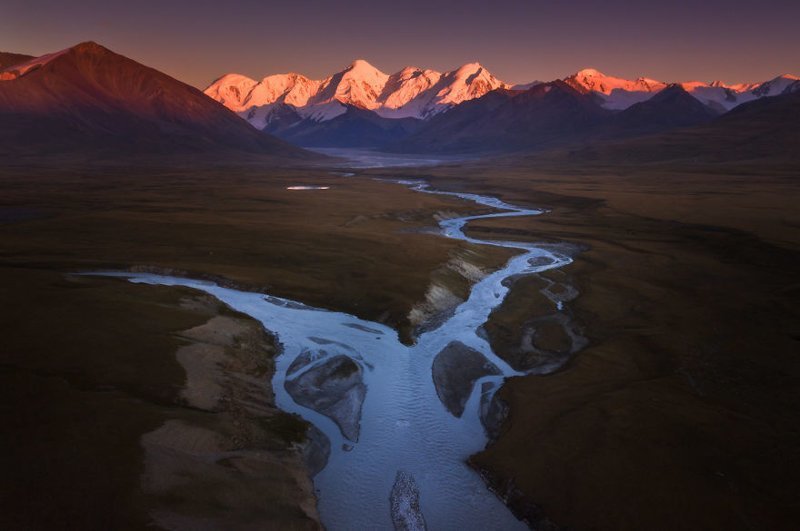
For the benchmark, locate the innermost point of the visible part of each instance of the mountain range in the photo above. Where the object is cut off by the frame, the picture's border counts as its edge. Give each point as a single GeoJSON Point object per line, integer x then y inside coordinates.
{"type": "Point", "coordinates": [410, 93]}
{"type": "Point", "coordinates": [422, 93]}
{"type": "Point", "coordinates": [762, 131]}
{"type": "Point", "coordinates": [90, 99]}
{"type": "Point", "coordinates": [617, 94]}
{"type": "Point", "coordinates": [469, 109]}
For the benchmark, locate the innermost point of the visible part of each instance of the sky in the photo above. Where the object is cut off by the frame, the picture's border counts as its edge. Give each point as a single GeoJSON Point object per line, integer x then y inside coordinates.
{"type": "Point", "coordinates": [518, 41]}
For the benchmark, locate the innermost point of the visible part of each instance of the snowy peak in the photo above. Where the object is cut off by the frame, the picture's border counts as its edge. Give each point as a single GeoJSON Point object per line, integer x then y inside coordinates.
{"type": "Point", "coordinates": [426, 92]}
{"type": "Point", "coordinates": [293, 89]}
{"type": "Point", "coordinates": [231, 90]}
{"type": "Point", "coordinates": [468, 82]}
{"type": "Point", "coordinates": [415, 92]}
{"type": "Point", "coordinates": [776, 86]}
{"type": "Point", "coordinates": [592, 80]}
{"type": "Point", "coordinates": [359, 85]}
{"type": "Point", "coordinates": [589, 72]}
{"type": "Point", "coordinates": [468, 69]}
{"type": "Point", "coordinates": [618, 93]}
{"type": "Point", "coordinates": [360, 68]}
{"type": "Point", "coordinates": [240, 93]}
{"type": "Point", "coordinates": [412, 92]}
{"type": "Point", "coordinates": [406, 85]}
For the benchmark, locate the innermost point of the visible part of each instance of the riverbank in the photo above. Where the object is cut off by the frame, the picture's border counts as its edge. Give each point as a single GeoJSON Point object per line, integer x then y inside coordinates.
{"type": "Point", "coordinates": [395, 431]}
{"type": "Point", "coordinates": [134, 406]}
{"type": "Point", "coordinates": [682, 410]}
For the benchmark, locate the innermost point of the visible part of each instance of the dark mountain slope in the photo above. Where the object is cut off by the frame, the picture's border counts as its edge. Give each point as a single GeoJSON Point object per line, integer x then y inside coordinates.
{"type": "Point", "coordinates": [671, 108]}
{"type": "Point", "coordinates": [88, 98]}
{"type": "Point", "coordinates": [543, 116]}
{"type": "Point", "coordinates": [766, 130]}
{"type": "Point", "coordinates": [8, 59]}
{"type": "Point", "coordinates": [355, 128]}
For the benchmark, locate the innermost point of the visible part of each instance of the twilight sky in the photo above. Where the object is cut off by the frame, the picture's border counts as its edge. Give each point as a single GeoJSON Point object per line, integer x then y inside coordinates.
{"type": "Point", "coordinates": [517, 40]}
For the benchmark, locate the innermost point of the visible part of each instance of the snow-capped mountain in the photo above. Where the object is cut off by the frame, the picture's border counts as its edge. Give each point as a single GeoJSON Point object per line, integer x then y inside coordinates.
{"type": "Point", "coordinates": [438, 92]}
{"type": "Point", "coordinates": [618, 94]}
{"type": "Point", "coordinates": [407, 85]}
{"type": "Point", "coordinates": [410, 93]}
{"type": "Point", "coordinates": [423, 93]}
{"type": "Point", "coordinates": [592, 79]}
{"type": "Point", "coordinates": [725, 97]}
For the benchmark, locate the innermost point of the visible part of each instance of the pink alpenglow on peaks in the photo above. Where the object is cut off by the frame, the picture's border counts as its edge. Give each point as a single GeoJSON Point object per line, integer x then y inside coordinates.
{"type": "Point", "coordinates": [410, 93]}
{"type": "Point", "coordinates": [594, 80]}
{"type": "Point", "coordinates": [421, 93]}
{"type": "Point", "coordinates": [406, 85]}
{"type": "Point", "coordinates": [619, 93]}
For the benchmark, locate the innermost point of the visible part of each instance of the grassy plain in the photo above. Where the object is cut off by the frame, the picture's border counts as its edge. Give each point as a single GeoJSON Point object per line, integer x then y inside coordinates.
{"type": "Point", "coordinates": [98, 430]}
{"type": "Point", "coordinates": [683, 411]}
{"type": "Point", "coordinates": [360, 247]}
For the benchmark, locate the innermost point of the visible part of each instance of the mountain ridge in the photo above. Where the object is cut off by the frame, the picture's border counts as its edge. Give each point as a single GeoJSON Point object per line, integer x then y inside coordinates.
{"type": "Point", "coordinates": [619, 93]}
{"type": "Point", "coordinates": [765, 130]}
{"type": "Point", "coordinates": [545, 115]}
{"type": "Point", "coordinates": [411, 92]}
{"type": "Point", "coordinates": [420, 93]}
{"type": "Point", "coordinates": [89, 98]}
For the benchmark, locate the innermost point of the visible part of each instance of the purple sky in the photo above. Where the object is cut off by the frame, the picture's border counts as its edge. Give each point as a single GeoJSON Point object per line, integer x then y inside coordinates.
{"type": "Point", "coordinates": [517, 40]}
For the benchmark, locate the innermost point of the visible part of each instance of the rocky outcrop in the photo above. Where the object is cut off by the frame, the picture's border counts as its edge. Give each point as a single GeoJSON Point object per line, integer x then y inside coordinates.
{"type": "Point", "coordinates": [494, 410]}
{"type": "Point", "coordinates": [406, 512]}
{"type": "Point", "coordinates": [214, 464]}
{"type": "Point", "coordinates": [334, 388]}
{"type": "Point", "coordinates": [455, 371]}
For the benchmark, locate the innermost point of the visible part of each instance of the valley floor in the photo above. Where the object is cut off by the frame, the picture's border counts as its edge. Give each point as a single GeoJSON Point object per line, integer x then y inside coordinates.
{"type": "Point", "coordinates": [128, 406]}
{"type": "Point", "coordinates": [681, 412]}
